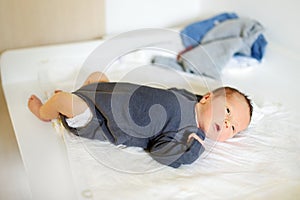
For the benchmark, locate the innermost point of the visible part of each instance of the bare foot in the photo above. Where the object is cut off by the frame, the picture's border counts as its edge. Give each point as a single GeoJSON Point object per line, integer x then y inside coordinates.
{"type": "Point", "coordinates": [34, 105]}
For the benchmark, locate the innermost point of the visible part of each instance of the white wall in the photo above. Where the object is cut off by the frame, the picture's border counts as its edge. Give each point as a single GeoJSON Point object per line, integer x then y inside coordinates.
{"type": "Point", "coordinates": [278, 17]}
{"type": "Point", "coordinates": [125, 15]}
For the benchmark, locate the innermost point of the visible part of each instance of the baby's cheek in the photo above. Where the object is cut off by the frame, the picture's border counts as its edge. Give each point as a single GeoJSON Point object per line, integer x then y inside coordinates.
{"type": "Point", "coordinates": [218, 114]}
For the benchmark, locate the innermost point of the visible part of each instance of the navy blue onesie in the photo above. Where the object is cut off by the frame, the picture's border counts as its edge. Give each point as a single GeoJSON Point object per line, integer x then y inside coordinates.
{"type": "Point", "coordinates": [157, 120]}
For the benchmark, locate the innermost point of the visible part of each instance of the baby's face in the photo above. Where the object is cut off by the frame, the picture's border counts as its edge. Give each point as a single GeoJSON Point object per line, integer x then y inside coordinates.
{"type": "Point", "coordinates": [223, 117]}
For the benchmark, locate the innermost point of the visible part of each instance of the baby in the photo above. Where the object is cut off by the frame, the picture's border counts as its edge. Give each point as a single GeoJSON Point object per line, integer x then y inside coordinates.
{"type": "Point", "coordinates": [169, 124]}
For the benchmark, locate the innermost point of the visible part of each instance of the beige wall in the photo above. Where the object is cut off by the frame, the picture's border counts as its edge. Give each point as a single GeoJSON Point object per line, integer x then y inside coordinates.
{"type": "Point", "coordinates": [25, 23]}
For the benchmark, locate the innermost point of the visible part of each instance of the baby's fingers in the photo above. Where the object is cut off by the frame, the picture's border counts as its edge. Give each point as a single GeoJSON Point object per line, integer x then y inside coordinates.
{"type": "Point", "coordinates": [196, 137]}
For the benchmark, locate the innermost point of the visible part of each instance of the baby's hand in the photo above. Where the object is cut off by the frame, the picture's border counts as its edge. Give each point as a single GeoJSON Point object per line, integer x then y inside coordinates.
{"type": "Point", "coordinates": [196, 137]}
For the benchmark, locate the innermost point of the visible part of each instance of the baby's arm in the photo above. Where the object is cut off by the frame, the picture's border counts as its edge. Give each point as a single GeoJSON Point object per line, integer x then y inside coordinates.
{"type": "Point", "coordinates": [175, 149]}
{"type": "Point", "coordinates": [96, 77]}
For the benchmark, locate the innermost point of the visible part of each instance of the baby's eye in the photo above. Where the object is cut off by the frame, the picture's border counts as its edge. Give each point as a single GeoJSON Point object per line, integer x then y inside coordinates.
{"type": "Point", "coordinates": [233, 128]}
{"type": "Point", "coordinates": [228, 110]}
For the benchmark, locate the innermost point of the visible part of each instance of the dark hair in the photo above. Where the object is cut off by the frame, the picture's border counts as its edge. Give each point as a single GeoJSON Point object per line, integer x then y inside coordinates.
{"type": "Point", "coordinates": [229, 91]}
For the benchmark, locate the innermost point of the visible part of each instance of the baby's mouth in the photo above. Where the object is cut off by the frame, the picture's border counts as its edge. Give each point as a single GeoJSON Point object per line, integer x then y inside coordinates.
{"type": "Point", "coordinates": [217, 127]}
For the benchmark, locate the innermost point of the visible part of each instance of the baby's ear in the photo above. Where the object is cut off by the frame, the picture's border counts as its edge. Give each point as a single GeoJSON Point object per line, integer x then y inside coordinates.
{"type": "Point", "coordinates": [206, 97]}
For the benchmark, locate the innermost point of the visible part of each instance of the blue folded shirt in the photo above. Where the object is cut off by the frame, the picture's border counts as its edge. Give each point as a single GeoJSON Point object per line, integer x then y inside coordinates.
{"type": "Point", "coordinates": [193, 34]}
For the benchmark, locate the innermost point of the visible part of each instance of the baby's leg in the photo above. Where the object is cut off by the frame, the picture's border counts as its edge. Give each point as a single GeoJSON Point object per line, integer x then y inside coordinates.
{"type": "Point", "coordinates": [95, 78]}
{"type": "Point", "coordinates": [64, 103]}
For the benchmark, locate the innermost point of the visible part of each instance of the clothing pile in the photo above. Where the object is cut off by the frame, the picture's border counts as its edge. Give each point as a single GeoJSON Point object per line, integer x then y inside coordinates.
{"type": "Point", "coordinates": [210, 44]}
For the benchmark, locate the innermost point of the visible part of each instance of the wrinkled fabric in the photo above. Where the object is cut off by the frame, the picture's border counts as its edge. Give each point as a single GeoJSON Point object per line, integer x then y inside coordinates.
{"type": "Point", "coordinates": [221, 43]}
{"type": "Point", "coordinates": [192, 34]}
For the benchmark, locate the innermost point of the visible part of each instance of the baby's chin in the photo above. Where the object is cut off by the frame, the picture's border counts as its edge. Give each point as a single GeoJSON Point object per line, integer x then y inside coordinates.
{"type": "Point", "coordinates": [212, 137]}
{"type": "Point", "coordinates": [213, 134]}
{"type": "Point", "coordinates": [216, 138]}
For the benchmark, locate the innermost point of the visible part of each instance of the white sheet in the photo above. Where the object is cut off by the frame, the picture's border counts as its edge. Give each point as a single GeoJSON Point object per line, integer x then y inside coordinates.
{"type": "Point", "coordinates": [259, 163]}
{"type": "Point", "coordinates": [262, 162]}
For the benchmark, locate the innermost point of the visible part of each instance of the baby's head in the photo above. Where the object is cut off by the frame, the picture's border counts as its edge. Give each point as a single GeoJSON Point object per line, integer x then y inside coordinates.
{"type": "Point", "coordinates": [223, 113]}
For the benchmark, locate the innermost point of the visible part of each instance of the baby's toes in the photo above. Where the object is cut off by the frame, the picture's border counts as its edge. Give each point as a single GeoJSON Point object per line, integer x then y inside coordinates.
{"type": "Point", "coordinates": [34, 102]}
{"type": "Point", "coordinates": [30, 100]}
{"type": "Point", "coordinates": [57, 91]}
